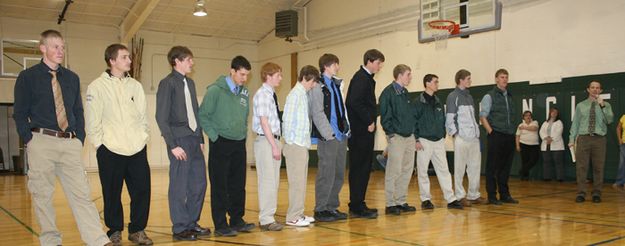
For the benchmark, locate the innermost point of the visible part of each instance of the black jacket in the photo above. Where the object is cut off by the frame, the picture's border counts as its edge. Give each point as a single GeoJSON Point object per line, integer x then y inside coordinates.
{"type": "Point", "coordinates": [360, 102]}
{"type": "Point", "coordinates": [322, 93]}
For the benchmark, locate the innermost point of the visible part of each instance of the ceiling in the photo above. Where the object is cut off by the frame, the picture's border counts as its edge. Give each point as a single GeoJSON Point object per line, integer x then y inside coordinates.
{"type": "Point", "coordinates": [236, 19]}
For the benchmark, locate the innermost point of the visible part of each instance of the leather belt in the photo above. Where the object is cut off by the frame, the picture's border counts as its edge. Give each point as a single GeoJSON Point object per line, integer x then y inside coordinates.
{"type": "Point", "coordinates": [53, 133]}
{"type": "Point", "coordinates": [592, 135]}
{"type": "Point", "coordinates": [274, 136]}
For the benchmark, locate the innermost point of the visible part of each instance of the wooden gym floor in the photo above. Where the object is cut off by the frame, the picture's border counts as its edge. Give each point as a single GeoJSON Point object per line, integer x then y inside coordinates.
{"type": "Point", "coordinates": [546, 215]}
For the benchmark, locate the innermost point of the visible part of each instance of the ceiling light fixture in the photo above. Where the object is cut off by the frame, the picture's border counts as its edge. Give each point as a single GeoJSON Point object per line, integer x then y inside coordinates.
{"type": "Point", "coordinates": [199, 8]}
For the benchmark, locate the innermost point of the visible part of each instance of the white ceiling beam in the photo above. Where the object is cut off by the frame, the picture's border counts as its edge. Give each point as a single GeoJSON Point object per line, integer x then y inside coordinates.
{"type": "Point", "coordinates": [135, 18]}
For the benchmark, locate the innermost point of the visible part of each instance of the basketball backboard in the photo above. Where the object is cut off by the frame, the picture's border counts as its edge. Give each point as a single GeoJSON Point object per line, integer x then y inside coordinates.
{"type": "Point", "coordinates": [472, 16]}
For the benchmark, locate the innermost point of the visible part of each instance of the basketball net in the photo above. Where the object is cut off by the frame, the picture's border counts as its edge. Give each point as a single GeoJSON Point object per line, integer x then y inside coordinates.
{"type": "Point", "coordinates": [441, 30]}
{"type": "Point", "coordinates": [440, 38]}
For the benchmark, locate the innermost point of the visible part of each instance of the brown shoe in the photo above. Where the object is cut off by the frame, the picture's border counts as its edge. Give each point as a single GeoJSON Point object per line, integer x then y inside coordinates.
{"type": "Point", "coordinates": [140, 238]}
{"type": "Point", "coordinates": [478, 200]}
{"type": "Point", "coordinates": [275, 226]}
{"type": "Point", "coordinates": [465, 202]}
{"type": "Point", "coordinates": [116, 238]}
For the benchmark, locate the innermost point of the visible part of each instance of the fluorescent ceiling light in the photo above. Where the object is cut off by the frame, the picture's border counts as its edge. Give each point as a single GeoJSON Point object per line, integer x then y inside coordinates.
{"type": "Point", "coordinates": [199, 8]}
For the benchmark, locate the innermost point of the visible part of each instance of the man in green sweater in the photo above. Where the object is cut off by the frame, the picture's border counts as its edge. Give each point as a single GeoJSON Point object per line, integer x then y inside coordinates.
{"type": "Point", "coordinates": [588, 135]}
{"type": "Point", "coordinates": [223, 116]}
{"type": "Point", "coordinates": [430, 134]}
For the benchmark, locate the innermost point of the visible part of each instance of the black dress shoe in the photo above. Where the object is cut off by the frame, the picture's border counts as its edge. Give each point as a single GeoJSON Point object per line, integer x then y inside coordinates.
{"type": "Point", "coordinates": [405, 208]}
{"type": "Point", "coordinates": [394, 210]}
{"type": "Point", "coordinates": [509, 200]}
{"type": "Point", "coordinates": [374, 210]}
{"type": "Point", "coordinates": [186, 235]}
{"type": "Point", "coordinates": [363, 214]}
{"type": "Point", "coordinates": [455, 205]}
{"type": "Point", "coordinates": [596, 199]}
{"type": "Point", "coordinates": [201, 231]}
{"type": "Point", "coordinates": [324, 216]}
{"type": "Point", "coordinates": [494, 202]}
{"type": "Point", "coordinates": [338, 215]}
{"type": "Point", "coordinates": [243, 227]}
{"type": "Point", "coordinates": [579, 199]}
{"type": "Point", "coordinates": [225, 232]}
{"type": "Point", "coordinates": [427, 205]}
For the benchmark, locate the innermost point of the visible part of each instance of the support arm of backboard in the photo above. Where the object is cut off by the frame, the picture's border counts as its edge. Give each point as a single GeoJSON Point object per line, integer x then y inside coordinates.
{"type": "Point", "coordinates": [135, 18]}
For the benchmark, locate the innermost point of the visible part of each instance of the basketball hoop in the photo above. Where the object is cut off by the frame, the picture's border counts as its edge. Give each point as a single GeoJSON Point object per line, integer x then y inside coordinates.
{"type": "Point", "coordinates": [448, 25]}
{"type": "Point", "coordinates": [441, 30]}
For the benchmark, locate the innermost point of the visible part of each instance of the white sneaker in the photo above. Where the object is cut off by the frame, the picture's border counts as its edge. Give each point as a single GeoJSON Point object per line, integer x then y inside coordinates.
{"type": "Point", "coordinates": [309, 219]}
{"type": "Point", "coordinates": [301, 222]}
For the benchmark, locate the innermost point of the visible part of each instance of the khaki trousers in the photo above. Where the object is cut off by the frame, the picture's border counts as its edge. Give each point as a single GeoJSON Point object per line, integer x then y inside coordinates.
{"type": "Point", "coordinates": [268, 171]}
{"type": "Point", "coordinates": [401, 152]}
{"type": "Point", "coordinates": [434, 151]}
{"type": "Point", "coordinates": [297, 172]}
{"type": "Point", "coordinates": [467, 157]}
{"type": "Point", "coordinates": [51, 157]}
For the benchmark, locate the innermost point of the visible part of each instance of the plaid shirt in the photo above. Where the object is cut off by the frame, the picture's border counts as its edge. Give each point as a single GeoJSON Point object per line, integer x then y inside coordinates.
{"type": "Point", "coordinates": [264, 105]}
{"type": "Point", "coordinates": [296, 123]}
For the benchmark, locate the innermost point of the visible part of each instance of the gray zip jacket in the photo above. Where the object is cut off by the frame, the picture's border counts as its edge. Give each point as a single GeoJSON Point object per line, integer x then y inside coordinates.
{"type": "Point", "coordinates": [460, 118]}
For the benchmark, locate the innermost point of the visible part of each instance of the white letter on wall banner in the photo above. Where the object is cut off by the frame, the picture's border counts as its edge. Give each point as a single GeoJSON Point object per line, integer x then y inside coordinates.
{"type": "Point", "coordinates": [548, 101]}
{"type": "Point", "coordinates": [527, 107]}
{"type": "Point", "coordinates": [604, 96]}
{"type": "Point", "coordinates": [572, 107]}
{"type": "Point", "coordinates": [479, 105]}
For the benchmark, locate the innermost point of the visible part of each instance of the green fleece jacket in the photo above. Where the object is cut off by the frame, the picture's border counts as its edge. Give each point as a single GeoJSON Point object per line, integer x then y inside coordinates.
{"type": "Point", "coordinates": [397, 111]}
{"type": "Point", "coordinates": [224, 114]}
{"type": "Point", "coordinates": [430, 119]}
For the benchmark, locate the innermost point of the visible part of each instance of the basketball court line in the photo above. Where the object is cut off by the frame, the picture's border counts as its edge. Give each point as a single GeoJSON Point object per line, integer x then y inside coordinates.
{"type": "Point", "coordinates": [543, 209]}
{"type": "Point", "coordinates": [553, 219]}
{"type": "Point", "coordinates": [317, 224]}
{"type": "Point", "coordinates": [362, 234]}
{"type": "Point", "coordinates": [522, 214]}
{"type": "Point", "coordinates": [519, 214]}
{"type": "Point", "coordinates": [28, 228]}
{"type": "Point", "coordinates": [546, 194]}
{"type": "Point", "coordinates": [203, 239]}
{"type": "Point", "coordinates": [608, 241]}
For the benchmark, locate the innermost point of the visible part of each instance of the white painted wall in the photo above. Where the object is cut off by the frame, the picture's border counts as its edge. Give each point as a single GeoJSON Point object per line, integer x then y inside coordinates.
{"type": "Point", "coordinates": [85, 45]}
{"type": "Point", "coordinates": [540, 41]}
{"type": "Point", "coordinates": [211, 57]}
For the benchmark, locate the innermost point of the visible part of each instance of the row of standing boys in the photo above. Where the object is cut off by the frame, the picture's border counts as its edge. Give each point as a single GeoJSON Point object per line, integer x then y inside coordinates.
{"type": "Point", "coordinates": [49, 117]}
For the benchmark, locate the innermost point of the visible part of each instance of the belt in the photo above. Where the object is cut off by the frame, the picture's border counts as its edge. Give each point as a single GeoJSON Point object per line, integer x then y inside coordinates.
{"type": "Point", "coordinates": [592, 135]}
{"type": "Point", "coordinates": [274, 136]}
{"type": "Point", "coordinates": [54, 133]}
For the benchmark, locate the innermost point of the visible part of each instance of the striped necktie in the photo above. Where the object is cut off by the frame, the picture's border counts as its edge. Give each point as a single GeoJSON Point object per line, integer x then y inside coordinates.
{"type": "Point", "coordinates": [59, 105]}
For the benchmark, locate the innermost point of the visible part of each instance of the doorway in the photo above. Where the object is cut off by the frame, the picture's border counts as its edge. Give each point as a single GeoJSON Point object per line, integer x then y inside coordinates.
{"type": "Point", "coordinates": [11, 147]}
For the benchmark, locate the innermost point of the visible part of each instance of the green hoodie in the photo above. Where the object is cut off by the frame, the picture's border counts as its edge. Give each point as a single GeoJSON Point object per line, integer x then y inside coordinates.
{"type": "Point", "coordinates": [223, 113]}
